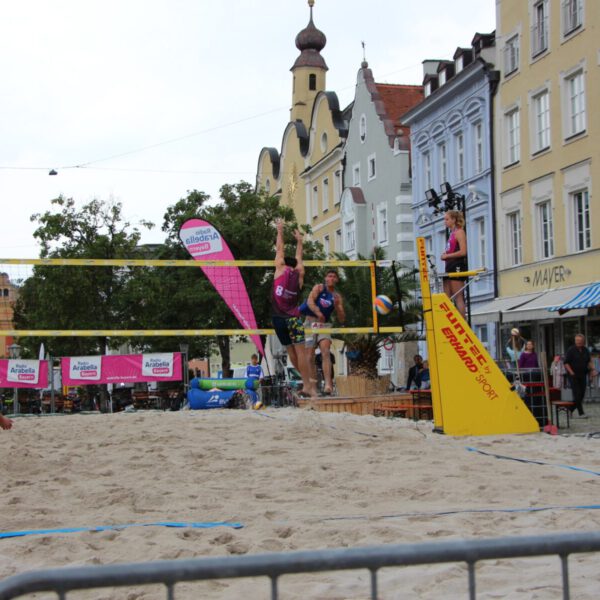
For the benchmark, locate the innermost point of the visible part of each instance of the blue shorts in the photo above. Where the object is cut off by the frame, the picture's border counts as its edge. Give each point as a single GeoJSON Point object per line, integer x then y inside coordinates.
{"type": "Point", "coordinates": [289, 330]}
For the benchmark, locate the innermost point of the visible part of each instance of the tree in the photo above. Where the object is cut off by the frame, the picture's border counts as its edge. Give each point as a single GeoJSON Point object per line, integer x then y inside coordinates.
{"type": "Point", "coordinates": [77, 297]}
{"type": "Point", "coordinates": [364, 350]}
{"type": "Point", "coordinates": [245, 219]}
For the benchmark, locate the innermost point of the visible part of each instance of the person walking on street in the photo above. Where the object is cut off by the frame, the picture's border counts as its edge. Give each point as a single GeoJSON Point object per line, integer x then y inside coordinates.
{"type": "Point", "coordinates": [578, 364]}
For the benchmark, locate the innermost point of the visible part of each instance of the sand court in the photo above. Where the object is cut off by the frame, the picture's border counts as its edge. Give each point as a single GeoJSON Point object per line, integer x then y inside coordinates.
{"type": "Point", "coordinates": [296, 480]}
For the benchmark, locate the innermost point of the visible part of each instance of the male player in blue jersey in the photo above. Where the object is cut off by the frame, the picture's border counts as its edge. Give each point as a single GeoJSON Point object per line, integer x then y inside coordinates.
{"type": "Point", "coordinates": [322, 302]}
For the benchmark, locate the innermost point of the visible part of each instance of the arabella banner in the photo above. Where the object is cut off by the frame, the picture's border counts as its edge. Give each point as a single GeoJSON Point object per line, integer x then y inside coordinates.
{"type": "Point", "coordinates": [204, 242]}
{"type": "Point", "coordinates": [85, 368]}
{"type": "Point", "coordinates": [20, 373]}
{"type": "Point", "coordinates": [157, 365]}
{"type": "Point", "coordinates": [126, 368]}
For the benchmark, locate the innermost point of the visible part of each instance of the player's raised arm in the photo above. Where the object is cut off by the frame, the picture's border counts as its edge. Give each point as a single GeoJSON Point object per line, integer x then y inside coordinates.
{"type": "Point", "coordinates": [299, 251]}
{"type": "Point", "coordinates": [279, 248]}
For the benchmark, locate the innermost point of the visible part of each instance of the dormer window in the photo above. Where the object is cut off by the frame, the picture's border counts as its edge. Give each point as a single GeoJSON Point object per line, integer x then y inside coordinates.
{"type": "Point", "coordinates": [430, 84]}
{"type": "Point", "coordinates": [460, 63]}
{"type": "Point", "coordinates": [442, 77]}
{"type": "Point", "coordinates": [363, 128]}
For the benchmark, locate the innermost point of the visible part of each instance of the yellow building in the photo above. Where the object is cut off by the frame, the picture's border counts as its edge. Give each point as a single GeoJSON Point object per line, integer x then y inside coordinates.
{"type": "Point", "coordinates": [307, 172]}
{"type": "Point", "coordinates": [8, 297]}
{"type": "Point", "coordinates": [547, 133]}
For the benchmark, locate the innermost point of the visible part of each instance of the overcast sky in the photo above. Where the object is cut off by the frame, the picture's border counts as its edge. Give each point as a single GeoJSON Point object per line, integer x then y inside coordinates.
{"type": "Point", "coordinates": [152, 98]}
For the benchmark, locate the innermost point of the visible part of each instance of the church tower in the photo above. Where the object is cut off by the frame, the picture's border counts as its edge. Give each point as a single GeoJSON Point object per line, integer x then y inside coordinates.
{"type": "Point", "coordinates": [309, 70]}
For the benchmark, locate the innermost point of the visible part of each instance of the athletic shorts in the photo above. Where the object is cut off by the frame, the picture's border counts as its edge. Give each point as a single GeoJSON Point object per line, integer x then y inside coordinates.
{"type": "Point", "coordinates": [456, 266]}
{"type": "Point", "coordinates": [289, 330]}
{"type": "Point", "coordinates": [314, 338]}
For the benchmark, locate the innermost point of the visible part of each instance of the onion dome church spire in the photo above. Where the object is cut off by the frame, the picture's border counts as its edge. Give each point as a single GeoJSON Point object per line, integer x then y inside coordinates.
{"type": "Point", "coordinates": [310, 41]}
{"type": "Point", "coordinates": [309, 69]}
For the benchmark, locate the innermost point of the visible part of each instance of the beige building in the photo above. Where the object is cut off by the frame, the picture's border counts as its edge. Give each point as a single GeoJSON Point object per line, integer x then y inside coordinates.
{"type": "Point", "coordinates": [307, 172]}
{"type": "Point", "coordinates": [547, 145]}
{"type": "Point", "coordinates": [8, 297]}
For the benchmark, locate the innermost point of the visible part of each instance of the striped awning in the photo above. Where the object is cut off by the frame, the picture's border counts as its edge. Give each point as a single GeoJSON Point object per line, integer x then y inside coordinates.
{"type": "Point", "coordinates": [588, 297]}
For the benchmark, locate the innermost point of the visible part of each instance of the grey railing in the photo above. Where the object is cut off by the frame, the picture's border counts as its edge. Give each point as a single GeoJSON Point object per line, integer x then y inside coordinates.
{"type": "Point", "coordinates": [273, 566]}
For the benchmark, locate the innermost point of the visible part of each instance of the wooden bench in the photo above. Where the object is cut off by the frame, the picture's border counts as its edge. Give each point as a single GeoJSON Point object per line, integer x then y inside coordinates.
{"type": "Point", "coordinates": [565, 407]}
{"type": "Point", "coordinates": [411, 411]}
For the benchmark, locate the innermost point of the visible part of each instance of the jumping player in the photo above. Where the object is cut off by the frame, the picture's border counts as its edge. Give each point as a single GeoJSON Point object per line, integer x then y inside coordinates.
{"type": "Point", "coordinates": [287, 321]}
{"type": "Point", "coordinates": [322, 301]}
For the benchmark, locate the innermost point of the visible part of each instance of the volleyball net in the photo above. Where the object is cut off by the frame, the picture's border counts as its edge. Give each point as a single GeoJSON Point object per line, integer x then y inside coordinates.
{"type": "Point", "coordinates": [359, 283]}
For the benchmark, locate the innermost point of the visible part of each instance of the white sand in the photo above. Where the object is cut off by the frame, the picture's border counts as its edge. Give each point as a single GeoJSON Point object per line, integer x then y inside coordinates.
{"type": "Point", "coordinates": [297, 480]}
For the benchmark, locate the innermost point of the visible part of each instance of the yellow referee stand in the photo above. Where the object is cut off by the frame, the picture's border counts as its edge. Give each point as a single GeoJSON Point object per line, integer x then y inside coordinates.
{"type": "Point", "coordinates": [470, 395]}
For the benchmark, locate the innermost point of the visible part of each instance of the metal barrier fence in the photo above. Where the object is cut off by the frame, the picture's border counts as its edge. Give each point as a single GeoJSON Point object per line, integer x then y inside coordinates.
{"type": "Point", "coordinates": [273, 566]}
{"type": "Point", "coordinates": [535, 391]}
{"type": "Point", "coordinates": [277, 395]}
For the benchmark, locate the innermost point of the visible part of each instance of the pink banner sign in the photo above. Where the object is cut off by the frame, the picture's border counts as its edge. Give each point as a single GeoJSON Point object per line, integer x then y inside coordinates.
{"type": "Point", "coordinates": [204, 242]}
{"type": "Point", "coordinates": [126, 368]}
{"type": "Point", "coordinates": [23, 373]}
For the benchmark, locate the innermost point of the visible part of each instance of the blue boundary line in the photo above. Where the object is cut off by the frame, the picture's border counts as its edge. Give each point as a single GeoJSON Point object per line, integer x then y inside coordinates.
{"type": "Point", "coordinates": [534, 462]}
{"type": "Point", "coordinates": [10, 534]}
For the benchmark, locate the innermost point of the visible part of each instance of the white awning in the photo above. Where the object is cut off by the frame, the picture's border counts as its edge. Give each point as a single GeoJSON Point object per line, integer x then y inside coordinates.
{"type": "Point", "coordinates": [540, 308]}
{"type": "Point", "coordinates": [490, 311]}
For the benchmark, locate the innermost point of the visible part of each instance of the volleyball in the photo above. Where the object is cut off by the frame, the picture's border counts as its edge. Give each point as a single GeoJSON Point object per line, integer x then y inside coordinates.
{"type": "Point", "coordinates": [383, 304]}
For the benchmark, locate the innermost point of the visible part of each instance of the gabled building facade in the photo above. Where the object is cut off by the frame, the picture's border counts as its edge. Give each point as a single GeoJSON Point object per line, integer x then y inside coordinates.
{"type": "Point", "coordinates": [452, 142]}
{"type": "Point", "coordinates": [376, 202]}
{"type": "Point", "coordinates": [547, 160]}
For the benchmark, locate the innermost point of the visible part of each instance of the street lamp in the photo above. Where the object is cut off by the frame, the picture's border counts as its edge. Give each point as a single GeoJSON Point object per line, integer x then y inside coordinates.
{"type": "Point", "coordinates": [184, 365]}
{"type": "Point", "coordinates": [446, 200]}
{"type": "Point", "coordinates": [433, 200]}
{"type": "Point", "coordinates": [14, 352]}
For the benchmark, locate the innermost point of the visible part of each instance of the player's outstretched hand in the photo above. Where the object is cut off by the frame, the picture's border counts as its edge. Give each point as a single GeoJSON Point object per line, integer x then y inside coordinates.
{"type": "Point", "coordinates": [5, 422]}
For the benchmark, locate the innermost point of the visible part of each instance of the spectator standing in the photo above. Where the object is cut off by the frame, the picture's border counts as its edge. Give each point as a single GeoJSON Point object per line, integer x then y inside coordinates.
{"type": "Point", "coordinates": [254, 370]}
{"type": "Point", "coordinates": [529, 358]}
{"type": "Point", "coordinates": [413, 373]}
{"type": "Point", "coordinates": [578, 364]}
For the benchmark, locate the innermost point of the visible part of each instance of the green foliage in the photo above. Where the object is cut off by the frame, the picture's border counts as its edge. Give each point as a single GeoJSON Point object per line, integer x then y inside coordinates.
{"type": "Point", "coordinates": [75, 297]}
{"type": "Point", "coordinates": [184, 297]}
{"type": "Point", "coordinates": [146, 298]}
{"type": "Point", "coordinates": [364, 350]}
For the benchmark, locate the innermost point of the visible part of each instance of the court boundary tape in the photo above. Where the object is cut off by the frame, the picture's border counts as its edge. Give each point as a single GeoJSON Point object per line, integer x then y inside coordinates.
{"type": "Point", "coordinates": [533, 462]}
{"type": "Point", "coordinates": [176, 524]}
